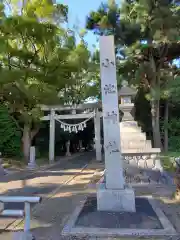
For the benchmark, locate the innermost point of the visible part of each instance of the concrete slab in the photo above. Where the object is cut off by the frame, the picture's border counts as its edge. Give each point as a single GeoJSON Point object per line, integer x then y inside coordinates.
{"type": "Point", "coordinates": [115, 199]}
{"type": "Point", "coordinates": [163, 227]}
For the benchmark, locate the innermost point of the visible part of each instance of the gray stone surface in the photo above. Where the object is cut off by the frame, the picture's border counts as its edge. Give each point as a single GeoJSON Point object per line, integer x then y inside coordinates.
{"type": "Point", "coordinates": [136, 150]}
{"type": "Point", "coordinates": [115, 199]}
{"type": "Point", "coordinates": [51, 217]}
{"type": "Point", "coordinates": [143, 218]}
{"type": "Point", "coordinates": [148, 221]}
{"type": "Point", "coordinates": [23, 236]}
{"type": "Point", "coordinates": [44, 189]}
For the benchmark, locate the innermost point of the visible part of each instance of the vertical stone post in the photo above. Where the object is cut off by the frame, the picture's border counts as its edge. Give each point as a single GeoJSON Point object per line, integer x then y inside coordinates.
{"type": "Point", "coordinates": [32, 158]}
{"type": "Point", "coordinates": [113, 195]}
{"type": "Point", "coordinates": [68, 154]}
{"type": "Point", "coordinates": [80, 145]}
{"type": "Point", "coordinates": [52, 136]}
{"type": "Point", "coordinates": [2, 171]}
{"type": "Point", "coordinates": [97, 131]}
{"type": "Point", "coordinates": [113, 159]}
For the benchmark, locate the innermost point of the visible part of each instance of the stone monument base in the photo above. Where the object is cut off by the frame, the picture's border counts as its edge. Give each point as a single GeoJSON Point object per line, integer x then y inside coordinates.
{"type": "Point", "coordinates": [32, 166]}
{"type": "Point", "coordinates": [148, 221]}
{"type": "Point", "coordinates": [116, 200]}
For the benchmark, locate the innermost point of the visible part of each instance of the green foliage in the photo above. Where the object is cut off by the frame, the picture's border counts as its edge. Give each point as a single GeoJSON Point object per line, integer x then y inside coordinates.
{"type": "Point", "coordinates": [106, 20]}
{"type": "Point", "coordinates": [44, 10]}
{"type": "Point", "coordinates": [133, 22]}
{"type": "Point", "coordinates": [174, 143]}
{"type": "Point", "coordinates": [31, 57]}
{"type": "Point", "coordinates": [10, 134]}
{"type": "Point", "coordinates": [149, 45]}
{"type": "Point", "coordinates": [39, 59]}
{"type": "Point", "coordinates": [40, 62]}
{"type": "Point", "coordinates": [143, 117]}
{"type": "Point", "coordinates": [174, 130]}
{"type": "Point", "coordinates": [168, 163]}
{"type": "Point", "coordinates": [174, 126]}
{"type": "Point", "coordinates": [174, 87]}
{"type": "Point", "coordinates": [84, 82]}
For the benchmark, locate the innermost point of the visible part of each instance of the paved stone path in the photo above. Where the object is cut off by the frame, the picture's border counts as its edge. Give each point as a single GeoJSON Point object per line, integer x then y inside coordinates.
{"type": "Point", "coordinates": [41, 183]}
{"type": "Point", "coordinates": [49, 218]}
{"type": "Point", "coordinates": [19, 178]}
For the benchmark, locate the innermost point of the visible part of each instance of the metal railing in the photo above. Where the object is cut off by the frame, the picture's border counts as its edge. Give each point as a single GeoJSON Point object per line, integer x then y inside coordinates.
{"type": "Point", "coordinates": [26, 213]}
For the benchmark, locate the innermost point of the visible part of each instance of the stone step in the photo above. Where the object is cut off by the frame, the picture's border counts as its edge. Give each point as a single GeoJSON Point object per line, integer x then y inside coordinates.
{"type": "Point", "coordinates": [124, 128]}
{"type": "Point", "coordinates": [134, 133]}
{"type": "Point", "coordinates": [127, 130]}
{"type": "Point", "coordinates": [136, 146]}
{"type": "Point", "coordinates": [141, 151]}
{"type": "Point", "coordinates": [129, 123]}
{"type": "Point", "coordinates": [134, 136]}
{"type": "Point", "coordinates": [129, 144]}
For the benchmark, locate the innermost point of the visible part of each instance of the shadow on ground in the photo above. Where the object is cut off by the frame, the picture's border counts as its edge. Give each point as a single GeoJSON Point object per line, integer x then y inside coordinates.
{"type": "Point", "coordinates": [65, 165]}
{"type": "Point", "coordinates": [52, 214]}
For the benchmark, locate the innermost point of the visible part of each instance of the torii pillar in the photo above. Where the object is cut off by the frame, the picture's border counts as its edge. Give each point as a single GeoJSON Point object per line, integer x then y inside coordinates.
{"type": "Point", "coordinates": [52, 136]}
{"type": "Point", "coordinates": [97, 131]}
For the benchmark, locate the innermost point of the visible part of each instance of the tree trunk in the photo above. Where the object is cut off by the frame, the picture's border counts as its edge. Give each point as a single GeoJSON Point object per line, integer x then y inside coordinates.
{"type": "Point", "coordinates": [166, 118]}
{"type": "Point", "coordinates": [28, 135]}
{"type": "Point", "coordinates": [155, 123]}
{"type": "Point", "coordinates": [26, 140]}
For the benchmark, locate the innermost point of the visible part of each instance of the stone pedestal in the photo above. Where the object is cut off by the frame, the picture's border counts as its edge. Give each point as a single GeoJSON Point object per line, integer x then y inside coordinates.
{"type": "Point", "coordinates": [115, 200]}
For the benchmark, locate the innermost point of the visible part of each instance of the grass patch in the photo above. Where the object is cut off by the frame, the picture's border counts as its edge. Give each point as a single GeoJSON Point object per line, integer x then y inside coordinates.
{"type": "Point", "coordinates": [42, 161]}
{"type": "Point", "coordinates": [9, 163]}
{"type": "Point", "coordinates": [168, 161]}
{"type": "Point", "coordinates": [20, 164]}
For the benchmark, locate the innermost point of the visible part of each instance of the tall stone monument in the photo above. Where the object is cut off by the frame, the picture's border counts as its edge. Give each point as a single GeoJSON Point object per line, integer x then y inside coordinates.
{"type": "Point", "coordinates": [113, 195]}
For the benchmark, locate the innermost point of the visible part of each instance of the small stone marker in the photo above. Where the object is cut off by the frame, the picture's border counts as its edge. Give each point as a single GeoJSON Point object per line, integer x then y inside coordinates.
{"type": "Point", "coordinates": [68, 154]}
{"type": "Point", "coordinates": [32, 158]}
{"type": "Point", "coordinates": [2, 170]}
{"type": "Point", "coordinates": [80, 145]}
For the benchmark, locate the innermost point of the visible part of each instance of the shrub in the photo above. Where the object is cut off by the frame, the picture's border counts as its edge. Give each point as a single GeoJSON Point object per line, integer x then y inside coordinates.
{"type": "Point", "coordinates": [10, 134]}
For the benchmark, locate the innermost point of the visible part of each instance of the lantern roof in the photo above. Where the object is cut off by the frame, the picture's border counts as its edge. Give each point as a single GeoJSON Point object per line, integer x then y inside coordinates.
{"type": "Point", "coordinates": [126, 91]}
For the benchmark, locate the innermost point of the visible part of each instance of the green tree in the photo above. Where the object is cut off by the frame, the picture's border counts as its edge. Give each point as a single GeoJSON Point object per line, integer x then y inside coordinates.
{"type": "Point", "coordinates": [10, 134]}
{"type": "Point", "coordinates": [82, 82]}
{"type": "Point", "coordinates": [45, 10]}
{"type": "Point", "coordinates": [34, 67]}
{"type": "Point", "coordinates": [132, 24]}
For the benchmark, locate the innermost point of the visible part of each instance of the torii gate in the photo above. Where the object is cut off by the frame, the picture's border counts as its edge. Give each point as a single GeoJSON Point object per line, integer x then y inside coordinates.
{"type": "Point", "coordinates": [85, 115]}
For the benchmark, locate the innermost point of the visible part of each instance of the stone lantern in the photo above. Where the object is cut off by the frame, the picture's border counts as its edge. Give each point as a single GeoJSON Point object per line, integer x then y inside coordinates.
{"type": "Point", "coordinates": [126, 105]}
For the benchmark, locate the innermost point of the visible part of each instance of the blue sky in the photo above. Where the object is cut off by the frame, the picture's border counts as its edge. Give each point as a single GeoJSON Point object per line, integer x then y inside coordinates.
{"type": "Point", "coordinates": [78, 10]}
